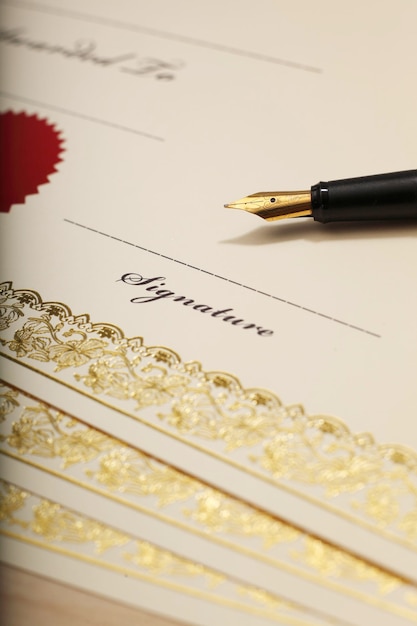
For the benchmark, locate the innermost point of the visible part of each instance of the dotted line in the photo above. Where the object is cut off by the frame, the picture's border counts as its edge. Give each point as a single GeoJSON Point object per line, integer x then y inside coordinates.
{"type": "Point", "coordinates": [228, 280]}
{"type": "Point", "coordinates": [154, 32]}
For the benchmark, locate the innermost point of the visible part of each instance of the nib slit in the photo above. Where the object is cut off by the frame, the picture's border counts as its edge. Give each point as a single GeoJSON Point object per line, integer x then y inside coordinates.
{"type": "Point", "coordinates": [273, 205]}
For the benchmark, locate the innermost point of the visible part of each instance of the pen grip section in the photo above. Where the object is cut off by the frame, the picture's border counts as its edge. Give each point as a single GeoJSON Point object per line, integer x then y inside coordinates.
{"type": "Point", "coordinates": [381, 197]}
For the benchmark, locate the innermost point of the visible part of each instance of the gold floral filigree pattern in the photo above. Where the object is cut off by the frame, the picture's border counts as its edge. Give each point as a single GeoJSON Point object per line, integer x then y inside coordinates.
{"type": "Point", "coordinates": [162, 562]}
{"type": "Point", "coordinates": [41, 431]}
{"type": "Point", "coordinates": [220, 514]}
{"type": "Point", "coordinates": [54, 523]}
{"type": "Point", "coordinates": [314, 455]}
{"type": "Point", "coordinates": [337, 564]}
{"type": "Point", "coordinates": [8, 401]}
{"type": "Point", "coordinates": [12, 500]}
{"type": "Point", "coordinates": [9, 313]}
{"type": "Point", "coordinates": [51, 525]}
{"type": "Point", "coordinates": [127, 471]}
{"type": "Point", "coordinates": [47, 435]}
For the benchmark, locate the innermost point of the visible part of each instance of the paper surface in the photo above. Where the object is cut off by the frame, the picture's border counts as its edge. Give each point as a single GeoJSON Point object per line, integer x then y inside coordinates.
{"type": "Point", "coordinates": [54, 540]}
{"type": "Point", "coordinates": [166, 112]}
{"type": "Point", "coordinates": [125, 488]}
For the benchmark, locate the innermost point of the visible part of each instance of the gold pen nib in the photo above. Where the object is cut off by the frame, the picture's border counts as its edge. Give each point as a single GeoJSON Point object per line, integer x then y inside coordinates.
{"type": "Point", "coordinates": [275, 205]}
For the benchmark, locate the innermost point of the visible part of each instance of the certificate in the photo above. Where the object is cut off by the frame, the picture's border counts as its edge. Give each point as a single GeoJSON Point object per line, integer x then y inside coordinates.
{"type": "Point", "coordinates": [276, 363]}
{"type": "Point", "coordinates": [59, 458]}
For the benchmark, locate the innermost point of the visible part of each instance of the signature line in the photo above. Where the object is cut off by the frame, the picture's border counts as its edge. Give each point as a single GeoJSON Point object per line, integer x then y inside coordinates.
{"type": "Point", "coordinates": [228, 280]}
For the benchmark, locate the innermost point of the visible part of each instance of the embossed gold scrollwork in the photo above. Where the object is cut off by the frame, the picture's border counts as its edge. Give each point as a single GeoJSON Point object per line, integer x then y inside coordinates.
{"type": "Point", "coordinates": [51, 525]}
{"type": "Point", "coordinates": [54, 523]}
{"type": "Point", "coordinates": [221, 514]}
{"type": "Point", "coordinates": [162, 562]}
{"type": "Point", "coordinates": [47, 433]}
{"type": "Point", "coordinates": [33, 429]}
{"type": "Point", "coordinates": [338, 564]}
{"type": "Point", "coordinates": [8, 401]}
{"type": "Point", "coordinates": [12, 500]}
{"type": "Point", "coordinates": [128, 471]}
{"type": "Point", "coordinates": [371, 482]}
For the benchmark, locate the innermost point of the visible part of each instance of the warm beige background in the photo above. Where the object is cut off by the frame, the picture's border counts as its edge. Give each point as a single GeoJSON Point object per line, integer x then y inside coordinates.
{"type": "Point", "coordinates": [29, 599]}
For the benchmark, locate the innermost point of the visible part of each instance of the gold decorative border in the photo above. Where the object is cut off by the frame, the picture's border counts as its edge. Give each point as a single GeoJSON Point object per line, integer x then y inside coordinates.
{"type": "Point", "coordinates": [27, 517]}
{"type": "Point", "coordinates": [373, 484]}
{"type": "Point", "coordinates": [64, 446]}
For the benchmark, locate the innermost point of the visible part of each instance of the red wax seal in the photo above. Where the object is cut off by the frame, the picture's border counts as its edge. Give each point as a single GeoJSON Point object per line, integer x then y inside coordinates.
{"type": "Point", "coordinates": [29, 150]}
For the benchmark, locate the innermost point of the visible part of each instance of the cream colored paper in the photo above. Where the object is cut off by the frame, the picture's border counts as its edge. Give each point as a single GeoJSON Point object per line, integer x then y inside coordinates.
{"type": "Point", "coordinates": [54, 540]}
{"type": "Point", "coordinates": [183, 515]}
{"type": "Point", "coordinates": [277, 95]}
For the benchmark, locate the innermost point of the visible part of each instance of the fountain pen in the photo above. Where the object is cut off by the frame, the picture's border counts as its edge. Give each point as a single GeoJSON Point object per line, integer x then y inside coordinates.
{"type": "Point", "coordinates": [380, 197]}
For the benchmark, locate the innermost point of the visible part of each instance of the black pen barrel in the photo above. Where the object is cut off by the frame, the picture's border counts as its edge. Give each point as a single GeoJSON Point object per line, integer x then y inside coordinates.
{"type": "Point", "coordinates": [381, 197]}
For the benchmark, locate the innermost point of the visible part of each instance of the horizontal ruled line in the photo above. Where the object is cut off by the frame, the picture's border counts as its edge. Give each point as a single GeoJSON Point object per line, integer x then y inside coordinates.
{"type": "Point", "coordinates": [162, 34]}
{"type": "Point", "coordinates": [82, 116]}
